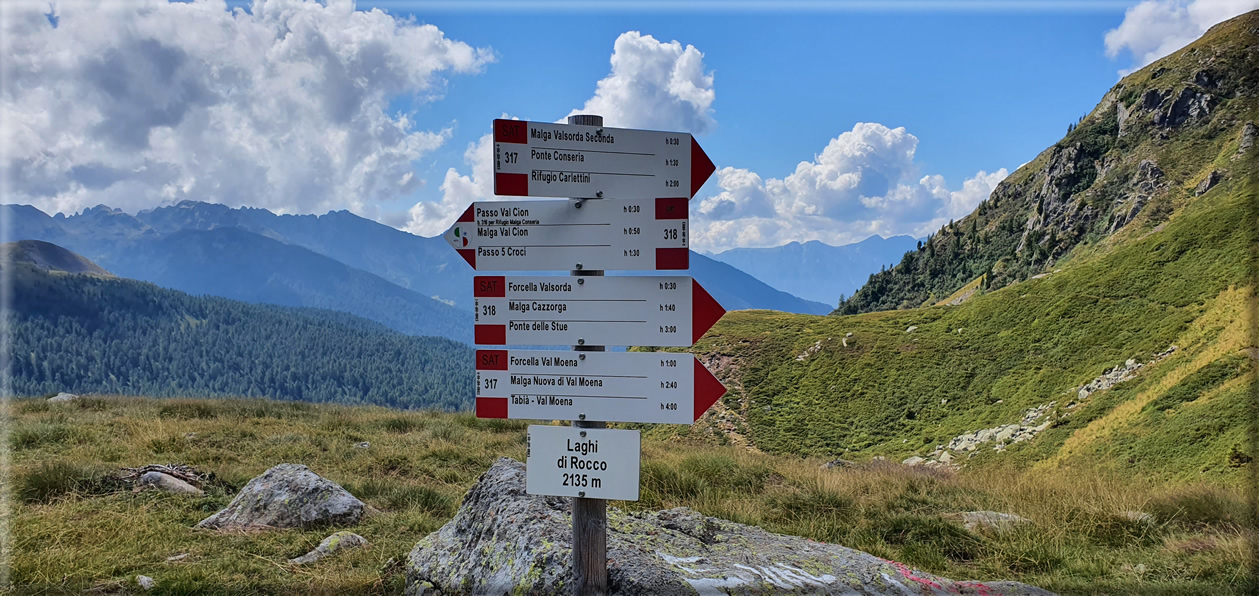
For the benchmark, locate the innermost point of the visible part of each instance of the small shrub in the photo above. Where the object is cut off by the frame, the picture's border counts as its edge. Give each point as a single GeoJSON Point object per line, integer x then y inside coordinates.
{"type": "Point", "coordinates": [420, 497]}
{"type": "Point", "coordinates": [1198, 507]}
{"type": "Point", "coordinates": [401, 424]}
{"type": "Point", "coordinates": [811, 503]}
{"type": "Point", "coordinates": [1119, 531]}
{"type": "Point", "coordinates": [53, 479]}
{"type": "Point", "coordinates": [167, 444]}
{"type": "Point", "coordinates": [33, 406]}
{"type": "Point", "coordinates": [1238, 458]}
{"type": "Point", "coordinates": [187, 409]}
{"type": "Point", "coordinates": [38, 435]}
{"type": "Point", "coordinates": [937, 534]}
{"type": "Point", "coordinates": [1031, 554]}
{"type": "Point", "coordinates": [94, 404]}
{"type": "Point", "coordinates": [667, 483]}
{"type": "Point", "coordinates": [392, 465]}
{"type": "Point", "coordinates": [445, 431]}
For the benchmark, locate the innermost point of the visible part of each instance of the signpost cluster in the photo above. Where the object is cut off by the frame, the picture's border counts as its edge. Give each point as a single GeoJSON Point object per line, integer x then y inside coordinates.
{"type": "Point", "coordinates": [626, 209]}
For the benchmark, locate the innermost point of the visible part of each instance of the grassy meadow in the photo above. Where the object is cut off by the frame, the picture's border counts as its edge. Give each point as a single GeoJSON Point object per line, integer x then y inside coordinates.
{"type": "Point", "coordinates": [77, 528]}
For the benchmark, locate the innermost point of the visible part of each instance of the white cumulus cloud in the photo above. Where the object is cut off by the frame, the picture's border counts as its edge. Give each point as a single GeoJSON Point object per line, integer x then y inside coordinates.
{"type": "Point", "coordinates": [286, 106]}
{"type": "Point", "coordinates": [864, 182]}
{"type": "Point", "coordinates": [1155, 28]}
{"type": "Point", "coordinates": [653, 84]}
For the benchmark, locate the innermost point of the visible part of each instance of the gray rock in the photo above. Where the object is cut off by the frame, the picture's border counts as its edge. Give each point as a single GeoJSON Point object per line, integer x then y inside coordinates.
{"type": "Point", "coordinates": [287, 496]}
{"type": "Point", "coordinates": [362, 445]}
{"type": "Point", "coordinates": [1247, 139]}
{"type": "Point", "coordinates": [977, 521]}
{"type": "Point", "coordinates": [911, 329]}
{"type": "Point", "coordinates": [503, 540]}
{"type": "Point", "coordinates": [839, 463]}
{"type": "Point", "coordinates": [167, 483]}
{"type": "Point", "coordinates": [1188, 105]}
{"type": "Point", "coordinates": [63, 397]}
{"type": "Point", "coordinates": [914, 460]}
{"type": "Point", "coordinates": [1208, 183]}
{"type": "Point", "coordinates": [146, 582]}
{"type": "Point", "coordinates": [334, 543]}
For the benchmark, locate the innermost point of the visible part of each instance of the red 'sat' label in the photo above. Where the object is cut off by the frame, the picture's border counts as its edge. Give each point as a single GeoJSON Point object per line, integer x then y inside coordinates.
{"type": "Point", "coordinates": [511, 131]}
{"type": "Point", "coordinates": [489, 286]}
{"type": "Point", "coordinates": [491, 359]}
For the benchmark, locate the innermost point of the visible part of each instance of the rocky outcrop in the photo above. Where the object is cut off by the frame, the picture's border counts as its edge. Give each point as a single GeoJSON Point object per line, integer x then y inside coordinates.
{"type": "Point", "coordinates": [1033, 422]}
{"type": "Point", "coordinates": [503, 540]}
{"type": "Point", "coordinates": [63, 397]}
{"type": "Point", "coordinates": [332, 544]}
{"type": "Point", "coordinates": [287, 496]}
{"type": "Point", "coordinates": [1190, 104]}
{"type": "Point", "coordinates": [1208, 183]}
{"type": "Point", "coordinates": [1146, 181]}
{"type": "Point", "coordinates": [1247, 139]}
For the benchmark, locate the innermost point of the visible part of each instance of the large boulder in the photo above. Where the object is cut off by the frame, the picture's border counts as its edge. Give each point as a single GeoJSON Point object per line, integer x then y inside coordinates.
{"type": "Point", "coordinates": [287, 496]}
{"type": "Point", "coordinates": [503, 540]}
{"type": "Point", "coordinates": [63, 397]}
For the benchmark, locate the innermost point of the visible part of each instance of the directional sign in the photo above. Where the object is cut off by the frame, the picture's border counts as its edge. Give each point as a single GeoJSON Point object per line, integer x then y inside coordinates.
{"type": "Point", "coordinates": [548, 235]}
{"type": "Point", "coordinates": [537, 159]}
{"type": "Point", "coordinates": [652, 387]}
{"type": "Point", "coordinates": [542, 310]}
{"type": "Point", "coordinates": [595, 463]}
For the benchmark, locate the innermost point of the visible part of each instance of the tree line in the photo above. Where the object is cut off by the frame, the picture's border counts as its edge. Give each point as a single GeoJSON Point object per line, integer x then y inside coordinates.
{"type": "Point", "coordinates": [86, 334]}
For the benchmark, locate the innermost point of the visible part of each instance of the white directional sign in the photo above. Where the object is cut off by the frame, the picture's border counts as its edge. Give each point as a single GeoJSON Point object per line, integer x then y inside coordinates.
{"type": "Point", "coordinates": [548, 235]}
{"type": "Point", "coordinates": [651, 387]}
{"type": "Point", "coordinates": [539, 159]}
{"type": "Point", "coordinates": [595, 463]}
{"type": "Point", "coordinates": [542, 310]}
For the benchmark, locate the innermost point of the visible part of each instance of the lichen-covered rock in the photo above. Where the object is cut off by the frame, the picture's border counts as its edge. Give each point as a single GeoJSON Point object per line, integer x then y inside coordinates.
{"type": "Point", "coordinates": [287, 496]}
{"type": "Point", "coordinates": [503, 540]}
{"type": "Point", "coordinates": [334, 543]}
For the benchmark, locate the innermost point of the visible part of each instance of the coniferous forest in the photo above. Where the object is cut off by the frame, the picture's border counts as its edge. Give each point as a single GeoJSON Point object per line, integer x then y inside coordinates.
{"type": "Point", "coordinates": [92, 334]}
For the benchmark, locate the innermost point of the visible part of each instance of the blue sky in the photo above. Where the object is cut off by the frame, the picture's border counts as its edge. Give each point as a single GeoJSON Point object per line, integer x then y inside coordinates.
{"type": "Point", "coordinates": [827, 120]}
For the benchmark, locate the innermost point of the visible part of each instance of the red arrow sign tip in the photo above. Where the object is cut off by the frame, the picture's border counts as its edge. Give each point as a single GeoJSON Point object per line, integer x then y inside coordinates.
{"type": "Point", "coordinates": [707, 389]}
{"type": "Point", "coordinates": [701, 167]}
{"type": "Point", "coordinates": [705, 312]}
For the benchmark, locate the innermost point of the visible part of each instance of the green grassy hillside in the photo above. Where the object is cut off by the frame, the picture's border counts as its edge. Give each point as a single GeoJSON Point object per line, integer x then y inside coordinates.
{"type": "Point", "coordinates": [75, 527]}
{"type": "Point", "coordinates": [1126, 167]}
{"type": "Point", "coordinates": [1180, 271]}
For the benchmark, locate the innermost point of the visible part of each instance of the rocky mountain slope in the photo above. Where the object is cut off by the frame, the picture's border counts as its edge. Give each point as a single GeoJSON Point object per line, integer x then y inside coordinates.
{"type": "Point", "coordinates": [1146, 150]}
{"type": "Point", "coordinates": [1161, 274]}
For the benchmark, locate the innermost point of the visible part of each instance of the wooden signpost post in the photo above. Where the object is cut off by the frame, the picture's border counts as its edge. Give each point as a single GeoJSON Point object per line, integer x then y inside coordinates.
{"type": "Point", "coordinates": [641, 181]}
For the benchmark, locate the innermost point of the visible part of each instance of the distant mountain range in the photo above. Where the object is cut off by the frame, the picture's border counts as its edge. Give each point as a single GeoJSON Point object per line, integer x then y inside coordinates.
{"type": "Point", "coordinates": [817, 271]}
{"type": "Point", "coordinates": [80, 329]}
{"type": "Point", "coordinates": [337, 261]}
